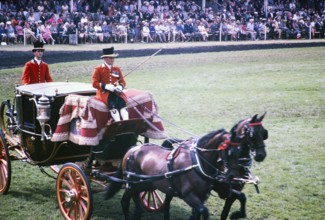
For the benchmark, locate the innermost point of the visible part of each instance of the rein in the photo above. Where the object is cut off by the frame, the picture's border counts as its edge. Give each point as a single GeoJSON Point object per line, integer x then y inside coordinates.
{"type": "Point", "coordinates": [161, 118]}
{"type": "Point", "coordinates": [146, 120]}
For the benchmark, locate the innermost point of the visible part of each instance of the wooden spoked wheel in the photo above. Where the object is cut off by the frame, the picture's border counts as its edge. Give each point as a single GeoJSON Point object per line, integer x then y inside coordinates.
{"type": "Point", "coordinates": [5, 165]}
{"type": "Point", "coordinates": [7, 120]}
{"type": "Point", "coordinates": [152, 201]}
{"type": "Point", "coordinates": [73, 193]}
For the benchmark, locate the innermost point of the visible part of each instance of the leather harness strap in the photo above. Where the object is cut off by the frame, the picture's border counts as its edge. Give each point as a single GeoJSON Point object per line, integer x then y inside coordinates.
{"type": "Point", "coordinates": [170, 167]}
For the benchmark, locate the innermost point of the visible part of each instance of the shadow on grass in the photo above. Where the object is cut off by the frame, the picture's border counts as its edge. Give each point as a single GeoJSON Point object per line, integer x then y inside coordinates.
{"type": "Point", "coordinates": [112, 209]}
{"type": "Point", "coordinates": [28, 193]}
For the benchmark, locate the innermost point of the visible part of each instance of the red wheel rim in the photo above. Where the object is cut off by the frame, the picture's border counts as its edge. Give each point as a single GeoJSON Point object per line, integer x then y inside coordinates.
{"type": "Point", "coordinates": [152, 201]}
{"type": "Point", "coordinates": [5, 166]}
{"type": "Point", "coordinates": [73, 193]}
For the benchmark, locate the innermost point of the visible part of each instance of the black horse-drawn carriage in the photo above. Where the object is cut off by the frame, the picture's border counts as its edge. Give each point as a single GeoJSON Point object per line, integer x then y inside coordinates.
{"type": "Point", "coordinates": [60, 123]}
{"type": "Point", "coordinates": [51, 124]}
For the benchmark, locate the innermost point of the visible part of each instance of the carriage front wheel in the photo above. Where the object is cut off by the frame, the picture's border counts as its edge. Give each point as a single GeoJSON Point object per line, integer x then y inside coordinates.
{"type": "Point", "coordinates": [73, 192]}
{"type": "Point", "coordinates": [152, 201]}
{"type": "Point", "coordinates": [5, 165]}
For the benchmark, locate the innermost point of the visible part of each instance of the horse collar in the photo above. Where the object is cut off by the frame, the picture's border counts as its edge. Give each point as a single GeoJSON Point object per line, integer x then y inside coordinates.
{"type": "Point", "coordinates": [197, 164]}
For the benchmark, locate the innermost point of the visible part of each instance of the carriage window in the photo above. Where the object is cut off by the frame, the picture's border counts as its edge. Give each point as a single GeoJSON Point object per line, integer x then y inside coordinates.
{"type": "Point", "coordinates": [29, 114]}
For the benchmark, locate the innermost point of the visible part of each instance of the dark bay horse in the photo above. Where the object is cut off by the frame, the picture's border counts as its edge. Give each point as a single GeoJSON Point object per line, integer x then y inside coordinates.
{"type": "Point", "coordinates": [253, 144]}
{"type": "Point", "coordinates": [193, 163]}
{"type": "Point", "coordinates": [253, 134]}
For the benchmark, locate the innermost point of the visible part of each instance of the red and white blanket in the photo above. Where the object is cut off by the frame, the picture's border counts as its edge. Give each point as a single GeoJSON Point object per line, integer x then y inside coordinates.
{"type": "Point", "coordinates": [84, 119]}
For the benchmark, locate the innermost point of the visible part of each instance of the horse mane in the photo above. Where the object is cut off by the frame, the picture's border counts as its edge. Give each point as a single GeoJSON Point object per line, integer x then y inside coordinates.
{"type": "Point", "coordinates": [206, 138]}
{"type": "Point", "coordinates": [233, 129]}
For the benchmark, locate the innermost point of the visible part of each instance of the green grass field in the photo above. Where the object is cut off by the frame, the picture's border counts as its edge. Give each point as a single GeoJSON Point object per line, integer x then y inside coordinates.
{"type": "Point", "coordinates": [205, 92]}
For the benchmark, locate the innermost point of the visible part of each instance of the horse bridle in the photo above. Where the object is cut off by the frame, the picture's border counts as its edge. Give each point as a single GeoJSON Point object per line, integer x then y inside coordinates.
{"type": "Point", "coordinates": [249, 135]}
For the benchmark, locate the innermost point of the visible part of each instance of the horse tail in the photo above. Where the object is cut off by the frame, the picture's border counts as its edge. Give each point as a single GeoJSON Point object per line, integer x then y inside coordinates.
{"type": "Point", "coordinates": [114, 186]}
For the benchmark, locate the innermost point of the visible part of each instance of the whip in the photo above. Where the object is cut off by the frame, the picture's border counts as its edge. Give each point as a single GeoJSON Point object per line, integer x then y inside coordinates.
{"type": "Point", "coordinates": [137, 66]}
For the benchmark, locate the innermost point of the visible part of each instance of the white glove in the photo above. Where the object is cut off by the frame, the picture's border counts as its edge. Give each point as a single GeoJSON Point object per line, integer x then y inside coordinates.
{"type": "Point", "coordinates": [118, 88]}
{"type": "Point", "coordinates": [110, 87]}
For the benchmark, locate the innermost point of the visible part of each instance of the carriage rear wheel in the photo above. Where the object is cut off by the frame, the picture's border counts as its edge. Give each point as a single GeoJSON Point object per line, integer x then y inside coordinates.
{"type": "Point", "coordinates": [5, 165]}
{"type": "Point", "coordinates": [7, 119]}
{"type": "Point", "coordinates": [73, 193]}
{"type": "Point", "coordinates": [152, 201]}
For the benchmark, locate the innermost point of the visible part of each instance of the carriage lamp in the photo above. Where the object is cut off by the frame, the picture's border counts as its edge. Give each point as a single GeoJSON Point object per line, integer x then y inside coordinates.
{"type": "Point", "coordinates": [43, 109]}
{"type": "Point", "coordinates": [43, 113]}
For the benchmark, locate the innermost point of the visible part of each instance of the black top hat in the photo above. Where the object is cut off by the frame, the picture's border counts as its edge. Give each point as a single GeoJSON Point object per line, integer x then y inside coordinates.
{"type": "Point", "coordinates": [109, 52]}
{"type": "Point", "coordinates": [38, 45]}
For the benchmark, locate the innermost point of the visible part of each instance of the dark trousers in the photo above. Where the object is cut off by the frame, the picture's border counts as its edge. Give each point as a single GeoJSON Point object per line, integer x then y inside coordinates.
{"type": "Point", "coordinates": [115, 101]}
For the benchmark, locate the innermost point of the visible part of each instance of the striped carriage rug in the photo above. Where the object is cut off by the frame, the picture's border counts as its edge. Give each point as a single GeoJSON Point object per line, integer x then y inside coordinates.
{"type": "Point", "coordinates": [83, 119]}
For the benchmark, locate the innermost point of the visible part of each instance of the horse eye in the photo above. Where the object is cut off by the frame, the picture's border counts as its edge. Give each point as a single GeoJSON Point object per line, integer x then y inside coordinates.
{"type": "Point", "coordinates": [266, 135]}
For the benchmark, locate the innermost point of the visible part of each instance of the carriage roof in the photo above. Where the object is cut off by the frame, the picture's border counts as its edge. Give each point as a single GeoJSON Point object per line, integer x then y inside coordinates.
{"type": "Point", "coordinates": [56, 88]}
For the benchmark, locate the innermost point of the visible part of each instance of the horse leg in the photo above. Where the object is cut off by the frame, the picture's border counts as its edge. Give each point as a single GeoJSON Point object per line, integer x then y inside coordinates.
{"type": "Point", "coordinates": [199, 211]}
{"type": "Point", "coordinates": [125, 202]}
{"type": "Point", "coordinates": [204, 212]}
{"type": "Point", "coordinates": [226, 208]}
{"type": "Point", "coordinates": [229, 201]}
{"type": "Point", "coordinates": [138, 209]}
{"type": "Point", "coordinates": [168, 199]}
{"type": "Point", "coordinates": [114, 186]}
{"type": "Point", "coordinates": [195, 214]}
{"type": "Point", "coordinates": [198, 208]}
{"type": "Point", "coordinates": [242, 212]}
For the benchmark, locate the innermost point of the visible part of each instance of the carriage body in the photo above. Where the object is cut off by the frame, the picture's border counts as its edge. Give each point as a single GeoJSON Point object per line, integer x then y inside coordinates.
{"type": "Point", "coordinates": [38, 148]}
{"type": "Point", "coordinates": [28, 130]}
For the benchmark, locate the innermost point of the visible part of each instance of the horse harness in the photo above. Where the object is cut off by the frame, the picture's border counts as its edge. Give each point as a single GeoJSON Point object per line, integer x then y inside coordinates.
{"type": "Point", "coordinates": [196, 165]}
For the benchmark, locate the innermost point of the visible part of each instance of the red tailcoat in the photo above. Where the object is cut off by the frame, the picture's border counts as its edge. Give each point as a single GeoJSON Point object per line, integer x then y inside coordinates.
{"type": "Point", "coordinates": [34, 73]}
{"type": "Point", "coordinates": [102, 74]}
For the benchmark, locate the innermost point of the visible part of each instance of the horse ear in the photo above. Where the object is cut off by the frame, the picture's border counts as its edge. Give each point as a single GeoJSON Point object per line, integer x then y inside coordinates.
{"type": "Point", "coordinates": [261, 118]}
{"type": "Point", "coordinates": [254, 118]}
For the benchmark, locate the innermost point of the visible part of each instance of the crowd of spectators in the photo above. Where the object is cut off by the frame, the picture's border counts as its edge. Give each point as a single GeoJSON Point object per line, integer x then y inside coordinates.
{"type": "Point", "coordinates": [104, 21]}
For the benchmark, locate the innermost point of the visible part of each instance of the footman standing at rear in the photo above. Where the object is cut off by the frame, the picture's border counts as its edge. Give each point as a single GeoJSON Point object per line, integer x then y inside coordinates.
{"type": "Point", "coordinates": [109, 82]}
{"type": "Point", "coordinates": [36, 70]}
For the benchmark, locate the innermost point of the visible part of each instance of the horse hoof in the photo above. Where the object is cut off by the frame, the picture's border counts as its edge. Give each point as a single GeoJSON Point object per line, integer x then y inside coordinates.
{"type": "Point", "coordinates": [238, 215]}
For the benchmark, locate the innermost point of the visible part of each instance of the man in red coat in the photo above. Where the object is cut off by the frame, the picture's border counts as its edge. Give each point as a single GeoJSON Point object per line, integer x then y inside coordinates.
{"type": "Point", "coordinates": [109, 82]}
{"type": "Point", "coordinates": [35, 70]}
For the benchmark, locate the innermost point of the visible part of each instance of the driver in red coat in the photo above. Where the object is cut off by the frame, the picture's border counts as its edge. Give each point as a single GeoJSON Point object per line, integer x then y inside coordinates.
{"type": "Point", "coordinates": [36, 70]}
{"type": "Point", "coordinates": [109, 82]}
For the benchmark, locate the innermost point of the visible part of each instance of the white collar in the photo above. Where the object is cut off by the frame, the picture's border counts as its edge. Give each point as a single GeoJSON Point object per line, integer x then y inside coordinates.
{"type": "Point", "coordinates": [37, 61]}
{"type": "Point", "coordinates": [108, 66]}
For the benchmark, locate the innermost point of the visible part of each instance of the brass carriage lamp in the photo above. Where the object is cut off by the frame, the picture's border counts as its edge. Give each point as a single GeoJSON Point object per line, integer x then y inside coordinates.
{"type": "Point", "coordinates": [43, 109]}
